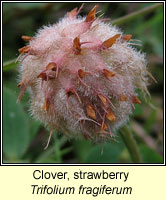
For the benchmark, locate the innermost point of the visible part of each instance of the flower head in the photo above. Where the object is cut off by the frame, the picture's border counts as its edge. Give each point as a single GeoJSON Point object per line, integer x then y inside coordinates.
{"type": "Point", "coordinates": [83, 74]}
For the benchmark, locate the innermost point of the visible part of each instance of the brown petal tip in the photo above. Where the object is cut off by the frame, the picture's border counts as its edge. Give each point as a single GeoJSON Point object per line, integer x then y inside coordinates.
{"type": "Point", "coordinates": [20, 84]}
{"type": "Point", "coordinates": [90, 111]}
{"type": "Point", "coordinates": [123, 97]}
{"type": "Point", "coordinates": [24, 49]}
{"type": "Point", "coordinates": [72, 13]}
{"type": "Point", "coordinates": [70, 92]}
{"type": "Point", "coordinates": [51, 66]}
{"type": "Point", "coordinates": [46, 105]}
{"type": "Point", "coordinates": [103, 127]}
{"type": "Point", "coordinates": [26, 38]}
{"type": "Point", "coordinates": [43, 76]}
{"type": "Point", "coordinates": [108, 43]}
{"type": "Point", "coordinates": [136, 100]}
{"type": "Point", "coordinates": [126, 37]}
{"type": "Point", "coordinates": [92, 14]}
{"type": "Point", "coordinates": [108, 74]}
{"type": "Point", "coordinates": [103, 99]}
{"type": "Point", "coordinates": [81, 73]}
{"type": "Point", "coordinates": [77, 46]}
{"type": "Point", "coordinates": [110, 116]}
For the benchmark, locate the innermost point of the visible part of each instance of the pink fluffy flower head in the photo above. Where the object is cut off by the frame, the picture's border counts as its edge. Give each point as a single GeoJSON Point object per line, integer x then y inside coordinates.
{"type": "Point", "coordinates": [82, 74]}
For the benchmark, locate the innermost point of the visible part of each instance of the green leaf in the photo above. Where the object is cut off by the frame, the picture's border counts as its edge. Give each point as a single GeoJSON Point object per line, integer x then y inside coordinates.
{"type": "Point", "coordinates": [34, 126]}
{"type": "Point", "coordinates": [82, 149]}
{"type": "Point", "coordinates": [149, 123]}
{"type": "Point", "coordinates": [149, 155]}
{"type": "Point", "coordinates": [11, 83]}
{"type": "Point", "coordinates": [15, 126]}
{"type": "Point", "coordinates": [111, 153]}
{"type": "Point", "coordinates": [138, 110]}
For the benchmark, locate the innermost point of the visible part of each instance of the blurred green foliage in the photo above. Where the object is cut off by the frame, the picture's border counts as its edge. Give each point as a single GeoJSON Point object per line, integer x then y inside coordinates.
{"type": "Point", "coordinates": [24, 138]}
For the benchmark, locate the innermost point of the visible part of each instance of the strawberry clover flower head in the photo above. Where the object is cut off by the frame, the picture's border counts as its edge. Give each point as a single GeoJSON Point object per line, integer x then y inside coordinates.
{"type": "Point", "coordinates": [82, 74]}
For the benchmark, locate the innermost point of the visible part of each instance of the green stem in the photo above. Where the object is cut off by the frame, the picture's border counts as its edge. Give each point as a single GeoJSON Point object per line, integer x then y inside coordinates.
{"type": "Point", "coordinates": [131, 144]}
{"type": "Point", "coordinates": [135, 14]}
{"type": "Point", "coordinates": [9, 65]}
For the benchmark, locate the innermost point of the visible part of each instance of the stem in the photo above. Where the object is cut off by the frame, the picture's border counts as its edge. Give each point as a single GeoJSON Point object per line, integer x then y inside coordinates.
{"type": "Point", "coordinates": [10, 65]}
{"type": "Point", "coordinates": [135, 14]}
{"type": "Point", "coordinates": [131, 145]}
